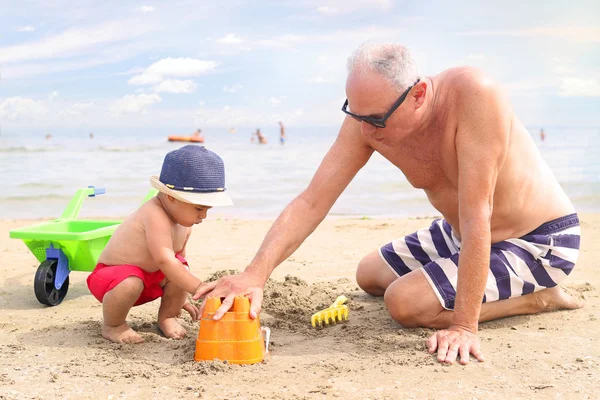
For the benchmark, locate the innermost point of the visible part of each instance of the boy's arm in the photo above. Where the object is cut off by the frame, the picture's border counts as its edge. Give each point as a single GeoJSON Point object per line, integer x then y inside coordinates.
{"type": "Point", "coordinates": [158, 231]}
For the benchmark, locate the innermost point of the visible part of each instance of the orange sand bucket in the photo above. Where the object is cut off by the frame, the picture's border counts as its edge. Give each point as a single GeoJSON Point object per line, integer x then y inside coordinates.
{"type": "Point", "coordinates": [235, 338]}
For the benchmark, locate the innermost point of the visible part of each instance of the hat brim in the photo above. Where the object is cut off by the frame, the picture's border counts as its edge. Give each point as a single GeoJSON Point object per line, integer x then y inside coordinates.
{"type": "Point", "coordinates": [214, 199]}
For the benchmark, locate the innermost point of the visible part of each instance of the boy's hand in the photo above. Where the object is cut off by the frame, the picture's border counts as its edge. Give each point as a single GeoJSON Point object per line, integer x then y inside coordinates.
{"type": "Point", "coordinates": [192, 310]}
{"type": "Point", "coordinates": [228, 287]}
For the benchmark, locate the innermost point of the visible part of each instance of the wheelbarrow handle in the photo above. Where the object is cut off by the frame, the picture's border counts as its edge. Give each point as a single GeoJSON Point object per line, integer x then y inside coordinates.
{"type": "Point", "coordinates": [97, 191]}
{"type": "Point", "coordinates": [72, 210]}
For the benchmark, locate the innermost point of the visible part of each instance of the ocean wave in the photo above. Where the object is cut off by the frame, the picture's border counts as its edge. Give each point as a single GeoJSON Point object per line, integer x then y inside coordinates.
{"type": "Point", "coordinates": [29, 149]}
{"type": "Point", "coordinates": [35, 198]}
{"type": "Point", "coordinates": [126, 149]}
{"type": "Point", "coordinates": [40, 185]}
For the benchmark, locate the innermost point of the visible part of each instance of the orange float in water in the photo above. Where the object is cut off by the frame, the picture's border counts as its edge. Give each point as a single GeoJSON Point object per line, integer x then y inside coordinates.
{"type": "Point", "coordinates": [235, 338]}
{"type": "Point", "coordinates": [192, 139]}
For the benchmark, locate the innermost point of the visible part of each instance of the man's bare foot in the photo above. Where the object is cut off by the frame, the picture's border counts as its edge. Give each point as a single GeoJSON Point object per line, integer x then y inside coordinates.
{"type": "Point", "coordinates": [556, 299]}
{"type": "Point", "coordinates": [171, 328]}
{"type": "Point", "coordinates": [121, 334]}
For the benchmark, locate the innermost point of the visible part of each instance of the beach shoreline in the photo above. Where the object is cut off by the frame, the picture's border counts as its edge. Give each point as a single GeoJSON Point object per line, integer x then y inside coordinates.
{"type": "Point", "coordinates": [51, 352]}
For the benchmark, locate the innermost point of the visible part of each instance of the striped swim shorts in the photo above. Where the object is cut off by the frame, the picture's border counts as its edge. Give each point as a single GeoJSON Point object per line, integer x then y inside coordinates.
{"type": "Point", "coordinates": [538, 260]}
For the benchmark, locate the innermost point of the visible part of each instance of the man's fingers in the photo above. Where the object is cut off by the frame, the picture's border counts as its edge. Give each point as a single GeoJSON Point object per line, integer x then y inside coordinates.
{"type": "Point", "coordinates": [432, 343]}
{"type": "Point", "coordinates": [225, 306]}
{"type": "Point", "coordinates": [478, 354]}
{"type": "Point", "coordinates": [451, 355]}
{"type": "Point", "coordinates": [464, 354]}
{"type": "Point", "coordinates": [256, 298]}
{"type": "Point", "coordinates": [442, 349]}
{"type": "Point", "coordinates": [203, 289]}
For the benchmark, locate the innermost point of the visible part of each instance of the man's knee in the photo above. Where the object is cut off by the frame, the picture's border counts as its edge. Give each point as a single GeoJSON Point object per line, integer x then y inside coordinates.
{"type": "Point", "coordinates": [410, 306]}
{"type": "Point", "coordinates": [401, 308]}
{"type": "Point", "coordinates": [369, 275]}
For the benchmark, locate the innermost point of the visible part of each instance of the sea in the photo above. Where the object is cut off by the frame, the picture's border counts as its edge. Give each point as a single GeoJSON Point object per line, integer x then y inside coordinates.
{"type": "Point", "coordinates": [40, 175]}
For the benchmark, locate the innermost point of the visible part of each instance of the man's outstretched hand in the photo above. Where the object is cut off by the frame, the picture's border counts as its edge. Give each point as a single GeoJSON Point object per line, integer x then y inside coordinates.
{"type": "Point", "coordinates": [228, 287]}
{"type": "Point", "coordinates": [453, 342]}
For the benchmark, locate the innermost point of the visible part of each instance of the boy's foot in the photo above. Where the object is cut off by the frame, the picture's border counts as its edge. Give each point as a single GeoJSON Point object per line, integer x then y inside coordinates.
{"type": "Point", "coordinates": [121, 334]}
{"type": "Point", "coordinates": [171, 328]}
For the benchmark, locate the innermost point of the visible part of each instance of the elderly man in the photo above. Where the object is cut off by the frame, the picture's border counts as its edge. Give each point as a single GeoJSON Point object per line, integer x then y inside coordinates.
{"type": "Point", "coordinates": [508, 235]}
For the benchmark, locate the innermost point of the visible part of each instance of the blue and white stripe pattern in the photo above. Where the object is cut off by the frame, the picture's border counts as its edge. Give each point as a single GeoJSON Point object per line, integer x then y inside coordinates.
{"type": "Point", "coordinates": [538, 260]}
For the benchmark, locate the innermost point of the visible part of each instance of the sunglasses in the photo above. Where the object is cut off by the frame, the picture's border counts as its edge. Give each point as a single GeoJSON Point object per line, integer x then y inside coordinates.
{"type": "Point", "coordinates": [379, 122]}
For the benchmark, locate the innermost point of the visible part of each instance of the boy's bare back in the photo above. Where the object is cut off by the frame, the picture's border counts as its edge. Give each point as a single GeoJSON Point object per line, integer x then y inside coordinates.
{"type": "Point", "coordinates": [129, 244]}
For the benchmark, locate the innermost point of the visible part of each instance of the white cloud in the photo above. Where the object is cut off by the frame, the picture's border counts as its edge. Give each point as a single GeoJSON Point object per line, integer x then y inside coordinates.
{"type": "Point", "coordinates": [181, 67]}
{"type": "Point", "coordinates": [331, 7]}
{"type": "Point", "coordinates": [133, 104]}
{"type": "Point", "coordinates": [145, 78]}
{"type": "Point", "coordinates": [27, 28]}
{"type": "Point", "coordinates": [20, 108]}
{"type": "Point", "coordinates": [176, 86]}
{"type": "Point", "coordinates": [172, 67]}
{"type": "Point", "coordinates": [230, 38]}
{"type": "Point", "coordinates": [233, 88]}
{"type": "Point", "coordinates": [582, 34]}
{"type": "Point", "coordinates": [576, 87]}
{"type": "Point", "coordinates": [146, 9]}
{"type": "Point", "coordinates": [283, 41]}
{"type": "Point", "coordinates": [327, 10]}
{"type": "Point", "coordinates": [276, 101]}
{"type": "Point", "coordinates": [318, 79]}
{"type": "Point", "coordinates": [74, 41]}
{"type": "Point", "coordinates": [53, 95]}
{"type": "Point", "coordinates": [77, 109]}
{"type": "Point", "coordinates": [477, 57]}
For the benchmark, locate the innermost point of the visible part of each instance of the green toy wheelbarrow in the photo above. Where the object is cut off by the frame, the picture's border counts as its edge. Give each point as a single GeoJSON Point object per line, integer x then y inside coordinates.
{"type": "Point", "coordinates": [66, 244]}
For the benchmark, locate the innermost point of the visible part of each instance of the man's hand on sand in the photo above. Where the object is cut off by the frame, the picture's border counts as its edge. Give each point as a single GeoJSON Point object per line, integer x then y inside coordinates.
{"type": "Point", "coordinates": [453, 342]}
{"type": "Point", "coordinates": [228, 287]}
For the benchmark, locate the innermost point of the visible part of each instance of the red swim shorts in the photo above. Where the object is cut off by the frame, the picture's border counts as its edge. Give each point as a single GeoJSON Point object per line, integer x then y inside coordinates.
{"type": "Point", "coordinates": [105, 277]}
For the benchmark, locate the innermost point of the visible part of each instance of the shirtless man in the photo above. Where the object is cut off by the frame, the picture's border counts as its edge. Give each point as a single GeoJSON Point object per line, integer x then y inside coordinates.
{"type": "Point", "coordinates": [455, 136]}
{"type": "Point", "coordinates": [145, 257]}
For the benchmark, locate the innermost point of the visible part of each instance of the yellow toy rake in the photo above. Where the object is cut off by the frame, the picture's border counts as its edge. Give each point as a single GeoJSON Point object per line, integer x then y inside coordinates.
{"type": "Point", "coordinates": [337, 312]}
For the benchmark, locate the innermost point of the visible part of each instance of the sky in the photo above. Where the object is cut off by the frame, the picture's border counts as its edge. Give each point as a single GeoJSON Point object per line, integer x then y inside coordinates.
{"type": "Point", "coordinates": [182, 64]}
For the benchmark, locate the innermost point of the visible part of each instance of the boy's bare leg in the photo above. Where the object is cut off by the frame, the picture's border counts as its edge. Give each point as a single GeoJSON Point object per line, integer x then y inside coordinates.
{"type": "Point", "coordinates": [172, 301]}
{"type": "Point", "coordinates": [115, 307]}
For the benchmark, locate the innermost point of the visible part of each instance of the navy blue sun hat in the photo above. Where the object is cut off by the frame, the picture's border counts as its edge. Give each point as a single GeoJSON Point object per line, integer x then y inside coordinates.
{"type": "Point", "coordinates": [193, 174]}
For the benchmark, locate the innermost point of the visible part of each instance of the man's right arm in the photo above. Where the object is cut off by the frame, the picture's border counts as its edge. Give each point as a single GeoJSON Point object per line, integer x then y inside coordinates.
{"type": "Point", "coordinates": [345, 158]}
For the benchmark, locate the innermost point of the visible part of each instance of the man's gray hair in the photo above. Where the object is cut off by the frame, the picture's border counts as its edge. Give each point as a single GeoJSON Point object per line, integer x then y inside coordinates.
{"type": "Point", "coordinates": [393, 61]}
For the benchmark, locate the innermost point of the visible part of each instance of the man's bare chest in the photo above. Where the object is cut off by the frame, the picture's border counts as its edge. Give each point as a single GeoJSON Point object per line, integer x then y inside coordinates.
{"type": "Point", "coordinates": [423, 168]}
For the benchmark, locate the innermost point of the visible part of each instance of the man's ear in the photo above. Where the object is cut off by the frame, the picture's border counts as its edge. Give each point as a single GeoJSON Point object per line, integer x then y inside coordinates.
{"type": "Point", "coordinates": [419, 93]}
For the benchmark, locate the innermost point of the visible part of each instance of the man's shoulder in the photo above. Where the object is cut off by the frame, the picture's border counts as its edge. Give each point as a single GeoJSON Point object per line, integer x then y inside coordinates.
{"type": "Point", "coordinates": [465, 80]}
{"type": "Point", "coordinates": [467, 86]}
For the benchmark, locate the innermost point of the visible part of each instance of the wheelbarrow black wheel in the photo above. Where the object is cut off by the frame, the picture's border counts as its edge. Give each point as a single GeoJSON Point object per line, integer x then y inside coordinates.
{"type": "Point", "coordinates": [45, 291]}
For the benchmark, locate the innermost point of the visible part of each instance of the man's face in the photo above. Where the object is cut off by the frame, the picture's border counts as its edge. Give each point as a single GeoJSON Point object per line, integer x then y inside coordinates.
{"type": "Point", "coordinates": [369, 94]}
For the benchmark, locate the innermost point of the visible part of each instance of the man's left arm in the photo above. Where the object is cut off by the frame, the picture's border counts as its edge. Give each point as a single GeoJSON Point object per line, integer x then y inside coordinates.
{"type": "Point", "coordinates": [481, 144]}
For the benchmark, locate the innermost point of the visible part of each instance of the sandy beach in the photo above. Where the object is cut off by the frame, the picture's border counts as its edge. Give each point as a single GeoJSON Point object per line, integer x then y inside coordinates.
{"type": "Point", "coordinates": [58, 352]}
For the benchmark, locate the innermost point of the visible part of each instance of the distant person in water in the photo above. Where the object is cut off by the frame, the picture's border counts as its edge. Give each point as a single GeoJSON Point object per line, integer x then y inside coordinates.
{"type": "Point", "coordinates": [91, 135]}
{"type": "Point", "coordinates": [198, 134]}
{"type": "Point", "coordinates": [48, 136]}
{"type": "Point", "coordinates": [281, 133]}
{"type": "Point", "coordinates": [261, 138]}
{"type": "Point", "coordinates": [542, 135]}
